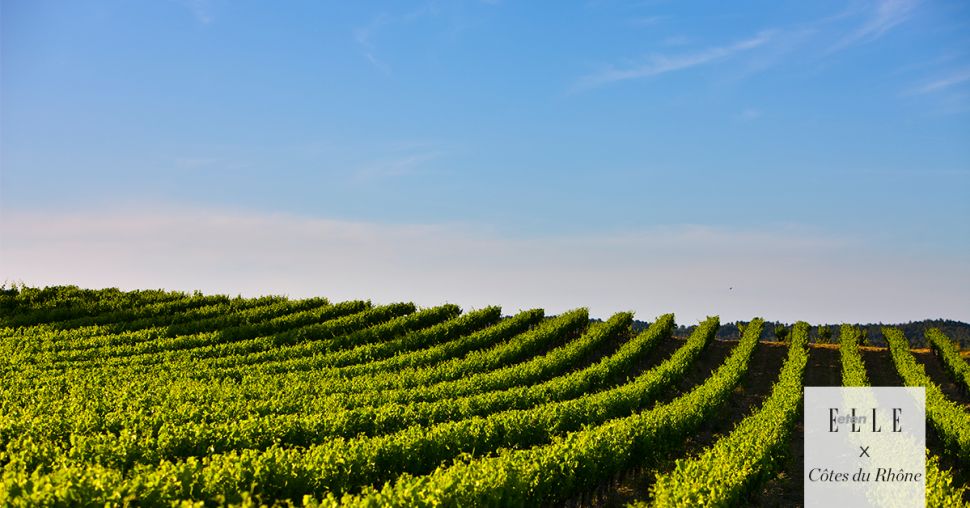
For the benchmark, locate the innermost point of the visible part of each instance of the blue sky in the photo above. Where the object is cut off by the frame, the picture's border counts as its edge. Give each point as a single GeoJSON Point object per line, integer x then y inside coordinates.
{"type": "Point", "coordinates": [663, 128]}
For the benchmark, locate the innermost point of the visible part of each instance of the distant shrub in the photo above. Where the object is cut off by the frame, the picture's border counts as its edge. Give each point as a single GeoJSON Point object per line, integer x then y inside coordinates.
{"type": "Point", "coordinates": [781, 333]}
{"type": "Point", "coordinates": [823, 335]}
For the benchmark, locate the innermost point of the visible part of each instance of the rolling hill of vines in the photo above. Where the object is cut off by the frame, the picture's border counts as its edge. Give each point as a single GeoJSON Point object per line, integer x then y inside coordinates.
{"type": "Point", "coordinates": [159, 398]}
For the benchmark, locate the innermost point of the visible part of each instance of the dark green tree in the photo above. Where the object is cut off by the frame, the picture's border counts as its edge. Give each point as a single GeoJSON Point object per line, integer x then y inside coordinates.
{"type": "Point", "coordinates": [781, 333]}
{"type": "Point", "coordinates": [823, 335]}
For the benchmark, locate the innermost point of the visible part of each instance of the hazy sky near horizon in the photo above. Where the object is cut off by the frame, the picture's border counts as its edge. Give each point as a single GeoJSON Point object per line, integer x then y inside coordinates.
{"type": "Point", "coordinates": [794, 160]}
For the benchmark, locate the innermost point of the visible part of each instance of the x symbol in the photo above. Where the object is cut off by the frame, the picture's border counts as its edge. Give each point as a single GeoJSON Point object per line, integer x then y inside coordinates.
{"type": "Point", "coordinates": [865, 451]}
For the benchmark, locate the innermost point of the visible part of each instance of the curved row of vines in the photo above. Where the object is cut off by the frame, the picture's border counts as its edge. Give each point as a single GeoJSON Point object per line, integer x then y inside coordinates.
{"type": "Point", "coordinates": [156, 398]}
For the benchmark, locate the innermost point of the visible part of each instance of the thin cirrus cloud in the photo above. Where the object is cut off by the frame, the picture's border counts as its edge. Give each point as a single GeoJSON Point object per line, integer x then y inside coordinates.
{"type": "Point", "coordinates": [783, 273]}
{"type": "Point", "coordinates": [398, 159]}
{"type": "Point", "coordinates": [656, 65]}
{"type": "Point", "coordinates": [750, 114]}
{"type": "Point", "coordinates": [945, 83]}
{"type": "Point", "coordinates": [646, 21]}
{"type": "Point", "coordinates": [401, 165]}
{"type": "Point", "coordinates": [366, 36]}
{"type": "Point", "coordinates": [880, 17]}
{"type": "Point", "coordinates": [201, 10]}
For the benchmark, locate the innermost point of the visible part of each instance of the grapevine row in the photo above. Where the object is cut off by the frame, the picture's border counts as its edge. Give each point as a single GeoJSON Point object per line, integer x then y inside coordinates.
{"type": "Point", "coordinates": [534, 423]}
{"type": "Point", "coordinates": [950, 420]}
{"type": "Point", "coordinates": [573, 462]}
{"type": "Point", "coordinates": [185, 399]}
{"type": "Point", "coordinates": [224, 317]}
{"type": "Point", "coordinates": [940, 489]}
{"type": "Point", "coordinates": [948, 354]}
{"type": "Point", "coordinates": [751, 453]}
{"type": "Point", "coordinates": [333, 465]}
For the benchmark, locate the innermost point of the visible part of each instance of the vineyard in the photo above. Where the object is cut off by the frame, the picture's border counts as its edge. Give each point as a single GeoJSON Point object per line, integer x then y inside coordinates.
{"type": "Point", "coordinates": [156, 398]}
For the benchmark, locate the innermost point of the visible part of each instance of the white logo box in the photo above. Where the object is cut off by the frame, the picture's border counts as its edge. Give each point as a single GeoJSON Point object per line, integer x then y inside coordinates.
{"type": "Point", "coordinates": [865, 446]}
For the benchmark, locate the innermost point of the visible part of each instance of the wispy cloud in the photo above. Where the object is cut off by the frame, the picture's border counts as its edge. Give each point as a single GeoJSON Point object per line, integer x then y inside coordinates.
{"type": "Point", "coordinates": [880, 16]}
{"type": "Point", "coordinates": [948, 93]}
{"type": "Point", "coordinates": [656, 65]}
{"type": "Point", "coordinates": [200, 9]}
{"type": "Point", "coordinates": [366, 36]}
{"type": "Point", "coordinates": [365, 39]}
{"type": "Point", "coordinates": [676, 40]}
{"type": "Point", "coordinates": [400, 165]}
{"type": "Point", "coordinates": [646, 21]}
{"type": "Point", "coordinates": [945, 83]}
{"type": "Point", "coordinates": [196, 162]}
{"type": "Point", "coordinates": [749, 114]}
{"type": "Point", "coordinates": [946, 57]}
{"type": "Point", "coordinates": [399, 158]}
